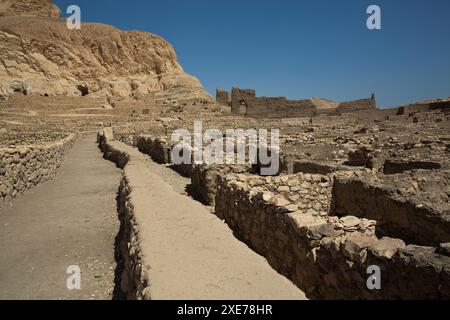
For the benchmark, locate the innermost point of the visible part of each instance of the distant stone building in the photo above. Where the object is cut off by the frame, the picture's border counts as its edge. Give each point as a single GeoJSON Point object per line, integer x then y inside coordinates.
{"type": "Point", "coordinates": [425, 106]}
{"type": "Point", "coordinates": [245, 102]}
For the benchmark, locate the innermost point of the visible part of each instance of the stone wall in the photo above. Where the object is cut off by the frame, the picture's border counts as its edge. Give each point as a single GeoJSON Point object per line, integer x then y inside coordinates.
{"type": "Point", "coordinates": [442, 105]}
{"type": "Point", "coordinates": [128, 139]}
{"type": "Point", "coordinates": [357, 105]}
{"type": "Point", "coordinates": [223, 97]}
{"type": "Point", "coordinates": [160, 152]}
{"type": "Point", "coordinates": [244, 101]}
{"type": "Point", "coordinates": [398, 214]}
{"type": "Point", "coordinates": [22, 168]}
{"type": "Point", "coordinates": [326, 256]}
{"type": "Point", "coordinates": [291, 220]}
{"type": "Point", "coordinates": [203, 180]}
{"type": "Point", "coordinates": [241, 97]}
{"type": "Point", "coordinates": [157, 148]}
{"type": "Point", "coordinates": [134, 280]}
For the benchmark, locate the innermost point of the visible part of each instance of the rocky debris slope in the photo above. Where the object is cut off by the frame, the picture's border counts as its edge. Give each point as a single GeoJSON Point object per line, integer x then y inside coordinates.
{"type": "Point", "coordinates": [41, 55]}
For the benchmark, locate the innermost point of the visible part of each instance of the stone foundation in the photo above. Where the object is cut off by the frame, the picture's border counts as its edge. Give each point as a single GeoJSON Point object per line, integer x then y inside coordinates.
{"type": "Point", "coordinates": [203, 180]}
{"type": "Point", "coordinates": [398, 215]}
{"type": "Point", "coordinates": [326, 256]}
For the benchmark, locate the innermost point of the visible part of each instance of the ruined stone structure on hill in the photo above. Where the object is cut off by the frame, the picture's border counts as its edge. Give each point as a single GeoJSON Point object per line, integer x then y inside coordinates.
{"type": "Point", "coordinates": [245, 102]}
{"type": "Point", "coordinates": [425, 106]}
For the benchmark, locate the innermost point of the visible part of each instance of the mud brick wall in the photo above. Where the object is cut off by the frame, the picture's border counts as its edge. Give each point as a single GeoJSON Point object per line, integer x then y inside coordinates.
{"type": "Point", "coordinates": [357, 105]}
{"type": "Point", "coordinates": [393, 166]}
{"type": "Point", "coordinates": [399, 215]}
{"type": "Point", "coordinates": [157, 148]}
{"type": "Point", "coordinates": [223, 97]}
{"type": "Point", "coordinates": [25, 167]}
{"type": "Point", "coordinates": [245, 101]}
{"type": "Point", "coordinates": [327, 256]}
{"type": "Point", "coordinates": [443, 106]}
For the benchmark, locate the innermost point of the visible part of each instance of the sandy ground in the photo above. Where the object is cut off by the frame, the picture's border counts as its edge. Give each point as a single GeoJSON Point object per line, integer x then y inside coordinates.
{"type": "Point", "coordinates": [71, 220]}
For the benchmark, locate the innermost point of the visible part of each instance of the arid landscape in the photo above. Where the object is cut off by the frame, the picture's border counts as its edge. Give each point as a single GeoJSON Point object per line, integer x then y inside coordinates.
{"type": "Point", "coordinates": [87, 178]}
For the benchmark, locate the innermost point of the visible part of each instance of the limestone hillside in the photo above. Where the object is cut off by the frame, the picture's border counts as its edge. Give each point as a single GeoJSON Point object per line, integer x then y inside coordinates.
{"type": "Point", "coordinates": [39, 54]}
{"type": "Point", "coordinates": [38, 8]}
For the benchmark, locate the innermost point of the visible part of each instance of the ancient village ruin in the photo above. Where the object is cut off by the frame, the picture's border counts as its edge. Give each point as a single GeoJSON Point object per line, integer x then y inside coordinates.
{"type": "Point", "coordinates": [357, 187]}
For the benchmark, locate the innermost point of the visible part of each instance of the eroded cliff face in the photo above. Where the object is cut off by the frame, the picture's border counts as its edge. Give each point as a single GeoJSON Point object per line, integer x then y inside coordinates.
{"type": "Point", "coordinates": [36, 8]}
{"type": "Point", "coordinates": [39, 54]}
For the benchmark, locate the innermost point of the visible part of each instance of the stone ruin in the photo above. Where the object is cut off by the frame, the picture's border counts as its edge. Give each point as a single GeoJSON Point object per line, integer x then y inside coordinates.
{"type": "Point", "coordinates": [245, 102]}
{"type": "Point", "coordinates": [353, 192]}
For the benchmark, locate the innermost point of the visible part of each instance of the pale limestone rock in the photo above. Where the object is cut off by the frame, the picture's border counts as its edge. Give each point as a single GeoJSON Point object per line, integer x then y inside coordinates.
{"type": "Point", "coordinates": [279, 201]}
{"type": "Point", "coordinates": [39, 54]}
{"type": "Point", "coordinates": [350, 221]}
{"type": "Point", "coordinates": [386, 247]}
{"type": "Point", "coordinates": [355, 248]}
{"type": "Point", "coordinates": [108, 134]}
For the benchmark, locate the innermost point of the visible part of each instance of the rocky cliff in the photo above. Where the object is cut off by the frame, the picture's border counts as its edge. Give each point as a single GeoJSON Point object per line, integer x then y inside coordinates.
{"type": "Point", "coordinates": [39, 54]}
{"type": "Point", "coordinates": [36, 8]}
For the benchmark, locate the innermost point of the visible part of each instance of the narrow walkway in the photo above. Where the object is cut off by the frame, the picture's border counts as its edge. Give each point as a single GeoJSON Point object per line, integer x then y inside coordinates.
{"type": "Point", "coordinates": [188, 252]}
{"type": "Point", "coordinates": [71, 220]}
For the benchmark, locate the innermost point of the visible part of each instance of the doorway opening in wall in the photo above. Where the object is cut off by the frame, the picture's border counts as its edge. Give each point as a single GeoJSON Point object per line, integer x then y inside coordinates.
{"type": "Point", "coordinates": [243, 107]}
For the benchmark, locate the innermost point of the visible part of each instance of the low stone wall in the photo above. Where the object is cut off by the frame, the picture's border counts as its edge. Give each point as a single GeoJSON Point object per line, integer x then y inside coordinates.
{"type": "Point", "coordinates": [157, 148]}
{"type": "Point", "coordinates": [134, 280]}
{"type": "Point", "coordinates": [160, 152]}
{"type": "Point", "coordinates": [24, 167]}
{"type": "Point", "coordinates": [393, 166]}
{"type": "Point", "coordinates": [399, 215]}
{"type": "Point", "coordinates": [119, 158]}
{"type": "Point", "coordinates": [128, 139]}
{"type": "Point", "coordinates": [326, 256]}
{"type": "Point", "coordinates": [203, 180]}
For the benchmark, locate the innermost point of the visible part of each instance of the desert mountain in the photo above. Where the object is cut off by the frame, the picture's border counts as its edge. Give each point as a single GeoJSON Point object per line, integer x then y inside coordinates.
{"type": "Point", "coordinates": [39, 54]}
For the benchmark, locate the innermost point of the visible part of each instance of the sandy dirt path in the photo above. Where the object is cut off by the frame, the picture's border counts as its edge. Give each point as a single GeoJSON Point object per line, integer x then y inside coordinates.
{"type": "Point", "coordinates": [71, 220]}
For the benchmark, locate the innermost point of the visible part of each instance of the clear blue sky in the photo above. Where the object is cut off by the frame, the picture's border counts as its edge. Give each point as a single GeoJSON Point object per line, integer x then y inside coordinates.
{"type": "Point", "coordinates": [296, 48]}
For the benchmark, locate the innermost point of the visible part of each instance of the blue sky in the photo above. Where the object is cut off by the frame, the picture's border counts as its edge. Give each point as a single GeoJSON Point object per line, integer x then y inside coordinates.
{"type": "Point", "coordinates": [296, 48]}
